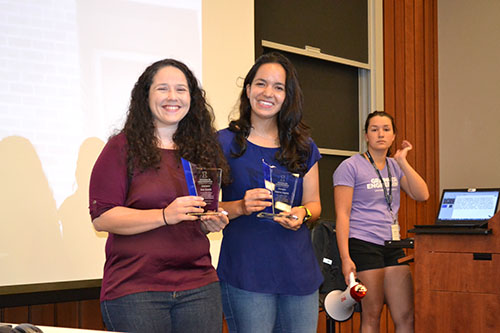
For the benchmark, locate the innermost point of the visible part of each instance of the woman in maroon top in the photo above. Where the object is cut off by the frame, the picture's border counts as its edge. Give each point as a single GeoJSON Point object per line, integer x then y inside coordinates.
{"type": "Point", "coordinates": [158, 275]}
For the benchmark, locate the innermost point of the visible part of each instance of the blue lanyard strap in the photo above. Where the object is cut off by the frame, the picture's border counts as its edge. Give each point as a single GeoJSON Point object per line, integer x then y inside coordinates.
{"type": "Point", "coordinates": [188, 173]}
{"type": "Point", "coordinates": [388, 196]}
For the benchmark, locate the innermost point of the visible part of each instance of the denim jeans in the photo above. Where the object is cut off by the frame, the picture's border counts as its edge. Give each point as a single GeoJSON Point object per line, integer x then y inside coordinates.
{"type": "Point", "coordinates": [195, 310]}
{"type": "Point", "coordinates": [250, 312]}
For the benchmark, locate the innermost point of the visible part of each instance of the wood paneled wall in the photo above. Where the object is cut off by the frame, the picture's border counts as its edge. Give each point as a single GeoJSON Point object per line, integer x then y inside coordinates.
{"type": "Point", "coordinates": [411, 95]}
{"type": "Point", "coordinates": [76, 314]}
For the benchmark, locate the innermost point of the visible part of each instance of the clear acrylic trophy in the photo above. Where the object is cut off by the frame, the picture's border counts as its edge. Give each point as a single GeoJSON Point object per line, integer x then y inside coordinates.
{"type": "Point", "coordinates": [282, 185]}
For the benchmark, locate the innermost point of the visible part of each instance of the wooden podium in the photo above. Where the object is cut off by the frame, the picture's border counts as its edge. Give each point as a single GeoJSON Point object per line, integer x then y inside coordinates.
{"type": "Point", "coordinates": [457, 281]}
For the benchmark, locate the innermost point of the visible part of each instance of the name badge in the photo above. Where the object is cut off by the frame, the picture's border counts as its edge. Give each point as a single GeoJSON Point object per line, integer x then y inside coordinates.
{"type": "Point", "coordinates": [395, 232]}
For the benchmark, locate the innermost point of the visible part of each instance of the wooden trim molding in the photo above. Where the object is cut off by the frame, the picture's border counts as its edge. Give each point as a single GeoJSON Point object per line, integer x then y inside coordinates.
{"type": "Point", "coordinates": [46, 293]}
{"type": "Point", "coordinates": [411, 95]}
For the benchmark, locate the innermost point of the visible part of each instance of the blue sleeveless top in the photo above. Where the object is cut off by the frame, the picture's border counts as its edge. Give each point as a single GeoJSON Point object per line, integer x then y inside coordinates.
{"type": "Point", "coordinates": [260, 255]}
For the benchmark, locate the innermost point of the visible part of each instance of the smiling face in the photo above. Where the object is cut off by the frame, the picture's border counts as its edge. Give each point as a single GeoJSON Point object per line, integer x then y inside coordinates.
{"type": "Point", "coordinates": [169, 97]}
{"type": "Point", "coordinates": [267, 91]}
{"type": "Point", "coordinates": [379, 133]}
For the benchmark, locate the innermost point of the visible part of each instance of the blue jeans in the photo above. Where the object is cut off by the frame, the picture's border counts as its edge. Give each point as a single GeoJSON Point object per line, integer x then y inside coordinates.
{"type": "Point", "coordinates": [250, 312]}
{"type": "Point", "coordinates": [195, 310]}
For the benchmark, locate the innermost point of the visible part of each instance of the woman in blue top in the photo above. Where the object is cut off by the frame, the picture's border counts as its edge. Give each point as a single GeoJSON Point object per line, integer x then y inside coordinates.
{"type": "Point", "coordinates": [269, 274]}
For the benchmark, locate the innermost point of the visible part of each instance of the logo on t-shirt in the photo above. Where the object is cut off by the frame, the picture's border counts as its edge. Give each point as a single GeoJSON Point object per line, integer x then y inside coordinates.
{"type": "Point", "coordinates": [375, 183]}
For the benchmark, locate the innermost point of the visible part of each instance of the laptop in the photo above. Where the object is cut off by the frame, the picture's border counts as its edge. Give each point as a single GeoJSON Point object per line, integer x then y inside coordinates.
{"type": "Point", "coordinates": [469, 207]}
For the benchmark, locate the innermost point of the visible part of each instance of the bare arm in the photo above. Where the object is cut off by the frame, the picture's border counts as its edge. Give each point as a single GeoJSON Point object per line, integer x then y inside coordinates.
{"type": "Point", "coordinates": [343, 203]}
{"type": "Point", "coordinates": [412, 183]}
{"type": "Point", "coordinates": [310, 196]}
{"type": "Point", "coordinates": [129, 221]}
{"type": "Point", "coordinates": [310, 200]}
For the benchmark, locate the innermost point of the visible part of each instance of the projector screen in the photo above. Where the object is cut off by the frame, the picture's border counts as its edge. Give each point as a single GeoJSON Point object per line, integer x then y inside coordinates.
{"type": "Point", "coordinates": [67, 69]}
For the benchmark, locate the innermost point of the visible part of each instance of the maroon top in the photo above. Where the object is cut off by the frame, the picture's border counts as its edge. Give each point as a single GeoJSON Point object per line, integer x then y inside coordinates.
{"type": "Point", "coordinates": [168, 258]}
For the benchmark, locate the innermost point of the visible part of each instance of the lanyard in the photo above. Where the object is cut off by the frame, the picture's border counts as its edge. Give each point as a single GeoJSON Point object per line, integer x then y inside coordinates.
{"type": "Point", "coordinates": [388, 196]}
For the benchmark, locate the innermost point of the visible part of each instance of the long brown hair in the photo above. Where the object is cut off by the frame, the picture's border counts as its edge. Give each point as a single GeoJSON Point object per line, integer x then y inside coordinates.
{"type": "Point", "coordinates": [195, 137]}
{"type": "Point", "coordinates": [293, 133]}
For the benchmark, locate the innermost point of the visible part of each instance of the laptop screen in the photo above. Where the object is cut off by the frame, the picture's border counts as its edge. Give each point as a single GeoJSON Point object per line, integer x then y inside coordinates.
{"type": "Point", "coordinates": [468, 205]}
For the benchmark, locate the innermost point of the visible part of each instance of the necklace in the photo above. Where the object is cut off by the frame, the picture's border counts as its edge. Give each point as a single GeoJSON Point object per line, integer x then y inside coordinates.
{"type": "Point", "coordinates": [265, 138]}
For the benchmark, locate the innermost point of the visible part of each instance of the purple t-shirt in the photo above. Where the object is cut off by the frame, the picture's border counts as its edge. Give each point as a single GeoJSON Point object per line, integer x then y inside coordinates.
{"type": "Point", "coordinates": [168, 258]}
{"type": "Point", "coordinates": [370, 219]}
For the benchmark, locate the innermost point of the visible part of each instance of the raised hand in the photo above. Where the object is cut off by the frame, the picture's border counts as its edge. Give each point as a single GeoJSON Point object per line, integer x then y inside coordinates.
{"type": "Point", "coordinates": [402, 152]}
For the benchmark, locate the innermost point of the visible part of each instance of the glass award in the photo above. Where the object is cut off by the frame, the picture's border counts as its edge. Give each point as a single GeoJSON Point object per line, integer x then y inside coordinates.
{"type": "Point", "coordinates": [203, 182]}
{"type": "Point", "coordinates": [282, 184]}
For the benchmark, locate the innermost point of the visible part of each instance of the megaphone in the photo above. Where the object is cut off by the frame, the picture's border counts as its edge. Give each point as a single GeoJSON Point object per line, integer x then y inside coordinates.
{"type": "Point", "coordinates": [340, 304]}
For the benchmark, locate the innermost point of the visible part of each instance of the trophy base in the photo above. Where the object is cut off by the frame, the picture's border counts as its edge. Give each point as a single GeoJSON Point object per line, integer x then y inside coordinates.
{"type": "Point", "coordinates": [204, 213]}
{"type": "Point", "coordinates": [264, 215]}
{"type": "Point", "coordinates": [208, 213]}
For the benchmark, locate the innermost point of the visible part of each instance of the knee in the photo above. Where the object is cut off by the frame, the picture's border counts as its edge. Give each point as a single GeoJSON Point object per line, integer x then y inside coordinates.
{"type": "Point", "coordinates": [404, 319]}
{"type": "Point", "coordinates": [371, 317]}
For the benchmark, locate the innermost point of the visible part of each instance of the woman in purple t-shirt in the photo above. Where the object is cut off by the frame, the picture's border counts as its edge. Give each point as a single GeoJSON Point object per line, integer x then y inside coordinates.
{"type": "Point", "coordinates": [158, 275]}
{"type": "Point", "coordinates": [366, 189]}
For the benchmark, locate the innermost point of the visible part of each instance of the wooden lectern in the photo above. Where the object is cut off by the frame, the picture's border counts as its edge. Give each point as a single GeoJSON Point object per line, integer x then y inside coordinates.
{"type": "Point", "coordinates": [457, 280]}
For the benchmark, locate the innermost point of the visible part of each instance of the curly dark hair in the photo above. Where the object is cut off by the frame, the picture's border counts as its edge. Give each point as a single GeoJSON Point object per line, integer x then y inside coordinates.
{"type": "Point", "coordinates": [293, 133]}
{"type": "Point", "coordinates": [195, 137]}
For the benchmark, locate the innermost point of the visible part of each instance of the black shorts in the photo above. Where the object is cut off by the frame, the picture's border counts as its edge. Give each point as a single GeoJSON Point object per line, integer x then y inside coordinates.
{"type": "Point", "coordinates": [367, 255]}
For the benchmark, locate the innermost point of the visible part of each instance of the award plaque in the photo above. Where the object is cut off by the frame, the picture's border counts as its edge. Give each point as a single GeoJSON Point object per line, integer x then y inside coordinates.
{"type": "Point", "coordinates": [203, 182]}
{"type": "Point", "coordinates": [282, 185]}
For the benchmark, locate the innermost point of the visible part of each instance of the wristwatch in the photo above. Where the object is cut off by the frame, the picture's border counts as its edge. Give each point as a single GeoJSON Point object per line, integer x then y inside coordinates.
{"type": "Point", "coordinates": [308, 214]}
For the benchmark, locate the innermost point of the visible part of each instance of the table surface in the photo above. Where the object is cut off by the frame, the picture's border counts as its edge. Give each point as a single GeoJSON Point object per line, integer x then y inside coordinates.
{"type": "Point", "coordinates": [50, 329]}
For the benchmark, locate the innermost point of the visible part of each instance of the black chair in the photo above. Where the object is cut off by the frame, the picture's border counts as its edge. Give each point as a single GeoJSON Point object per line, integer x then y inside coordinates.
{"type": "Point", "coordinates": [325, 247]}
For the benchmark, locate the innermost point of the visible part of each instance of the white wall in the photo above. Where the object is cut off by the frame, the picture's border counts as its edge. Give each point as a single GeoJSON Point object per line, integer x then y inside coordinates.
{"type": "Point", "coordinates": [228, 53]}
{"type": "Point", "coordinates": [469, 93]}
